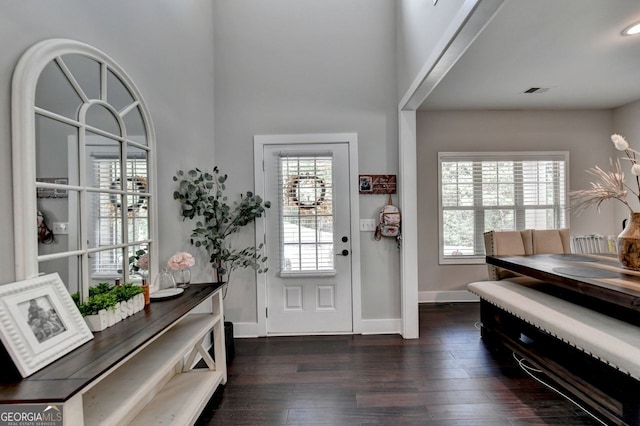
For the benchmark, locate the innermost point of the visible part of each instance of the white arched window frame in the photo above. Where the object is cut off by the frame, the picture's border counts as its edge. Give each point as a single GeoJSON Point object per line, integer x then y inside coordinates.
{"type": "Point", "coordinates": [24, 111]}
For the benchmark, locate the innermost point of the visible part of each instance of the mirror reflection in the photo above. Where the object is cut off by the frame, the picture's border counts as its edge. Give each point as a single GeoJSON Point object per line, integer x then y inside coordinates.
{"type": "Point", "coordinates": [56, 150]}
{"type": "Point", "coordinates": [92, 162]}
{"type": "Point", "coordinates": [86, 72]}
{"type": "Point", "coordinates": [101, 118]}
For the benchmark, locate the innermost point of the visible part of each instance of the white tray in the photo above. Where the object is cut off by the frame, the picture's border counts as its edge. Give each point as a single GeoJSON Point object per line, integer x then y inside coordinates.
{"type": "Point", "coordinates": [168, 293]}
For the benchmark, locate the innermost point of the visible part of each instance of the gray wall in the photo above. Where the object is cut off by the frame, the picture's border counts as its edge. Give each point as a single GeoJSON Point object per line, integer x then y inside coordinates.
{"type": "Point", "coordinates": [166, 47]}
{"type": "Point", "coordinates": [291, 66]}
{"type": "Point", "coordinates": [585, 134]}
{"type": "Point", "coordinates": [626, 122]}
{"type": "Point", "coordinates": [309, 66]}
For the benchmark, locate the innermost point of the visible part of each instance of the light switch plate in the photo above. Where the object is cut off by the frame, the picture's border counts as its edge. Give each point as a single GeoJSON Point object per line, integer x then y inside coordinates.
{"type": "Point", "coordinates": [60, 228]}
{"type": "Point", "coordinates": [367, 225]}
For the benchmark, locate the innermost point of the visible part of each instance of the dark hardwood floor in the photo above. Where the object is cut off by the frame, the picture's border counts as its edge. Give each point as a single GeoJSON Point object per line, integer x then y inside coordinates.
{"type": "Point", "coordinates": [447, 377]}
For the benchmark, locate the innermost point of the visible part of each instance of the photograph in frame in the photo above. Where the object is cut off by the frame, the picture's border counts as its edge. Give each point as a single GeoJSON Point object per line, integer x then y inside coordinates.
{"type": "Point", "coordinates": [366, 184]}
{"type": "Point", "coordinates": [39, 322]}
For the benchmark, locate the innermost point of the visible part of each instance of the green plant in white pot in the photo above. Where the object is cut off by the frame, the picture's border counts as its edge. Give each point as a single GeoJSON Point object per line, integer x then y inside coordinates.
{"type": "Point", "coordinates": [202, 197]}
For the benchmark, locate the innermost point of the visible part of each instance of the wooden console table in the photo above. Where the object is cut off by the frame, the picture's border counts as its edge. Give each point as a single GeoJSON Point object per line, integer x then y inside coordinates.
{"type": "Point", "coordinates": [139, 371]}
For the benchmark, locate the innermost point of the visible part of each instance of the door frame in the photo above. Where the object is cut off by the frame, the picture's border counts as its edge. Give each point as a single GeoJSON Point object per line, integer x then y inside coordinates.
{"type": "Point", "coordinates": [259, 142]}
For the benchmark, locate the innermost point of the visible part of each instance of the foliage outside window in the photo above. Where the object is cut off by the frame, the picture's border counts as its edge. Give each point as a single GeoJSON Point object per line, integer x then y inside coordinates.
{"type": "Point", "coordinates": [508, 191]}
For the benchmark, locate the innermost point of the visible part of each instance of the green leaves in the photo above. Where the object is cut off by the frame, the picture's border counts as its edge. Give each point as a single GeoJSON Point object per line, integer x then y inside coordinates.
{"type": "Point", "coordinates": [202, 197]}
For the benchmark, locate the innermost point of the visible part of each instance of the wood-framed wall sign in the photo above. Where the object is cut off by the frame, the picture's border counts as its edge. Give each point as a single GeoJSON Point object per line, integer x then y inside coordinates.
{"type": "Point", "coordinates": [377, 184]}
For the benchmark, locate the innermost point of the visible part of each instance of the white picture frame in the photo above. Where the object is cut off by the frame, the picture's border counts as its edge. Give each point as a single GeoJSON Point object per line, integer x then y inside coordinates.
{"type": "Point", "coordinates": [39, 322]}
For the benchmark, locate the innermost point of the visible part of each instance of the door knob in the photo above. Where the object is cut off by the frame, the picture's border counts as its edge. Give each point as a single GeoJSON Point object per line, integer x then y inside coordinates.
{"type": "Point", "coordinates": [344, 252]}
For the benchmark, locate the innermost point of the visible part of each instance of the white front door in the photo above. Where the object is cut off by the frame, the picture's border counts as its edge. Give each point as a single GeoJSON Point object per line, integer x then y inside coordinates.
{"type": "Point", "coordinates": [308, 236]}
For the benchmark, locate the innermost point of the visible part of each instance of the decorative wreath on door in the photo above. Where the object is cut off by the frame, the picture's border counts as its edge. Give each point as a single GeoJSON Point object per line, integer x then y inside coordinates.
{"type": "Point", "coordinates": [302, 191]}
{"type": "Point", "coordinates": [133, 184]}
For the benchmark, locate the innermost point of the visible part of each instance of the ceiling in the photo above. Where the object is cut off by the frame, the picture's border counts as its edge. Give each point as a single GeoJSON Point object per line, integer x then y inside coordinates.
{"type": "Point", "coordinates": [572, 47]}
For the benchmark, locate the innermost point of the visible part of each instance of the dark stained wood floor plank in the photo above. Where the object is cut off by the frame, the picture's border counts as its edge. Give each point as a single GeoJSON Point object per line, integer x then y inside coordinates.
{"type": "Point", "coordinates": [446, 377]}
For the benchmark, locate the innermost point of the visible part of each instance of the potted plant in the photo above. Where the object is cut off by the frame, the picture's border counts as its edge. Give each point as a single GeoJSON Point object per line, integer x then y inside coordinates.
{"type": "Point", "coordinates": [108, 304]}
{"type": "Point", "coordinates": [202, 197]}
{"type": "Point", "coordinates": [98, 310]}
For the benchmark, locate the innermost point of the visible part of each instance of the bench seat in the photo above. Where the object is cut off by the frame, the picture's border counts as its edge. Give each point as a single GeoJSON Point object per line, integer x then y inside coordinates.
{"type": "Point", "coordinates": [610, 340]}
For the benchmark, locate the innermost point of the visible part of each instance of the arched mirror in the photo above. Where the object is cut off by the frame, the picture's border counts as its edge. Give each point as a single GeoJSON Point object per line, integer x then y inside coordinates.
{"type": "Point", "coordinates": [83, 166]}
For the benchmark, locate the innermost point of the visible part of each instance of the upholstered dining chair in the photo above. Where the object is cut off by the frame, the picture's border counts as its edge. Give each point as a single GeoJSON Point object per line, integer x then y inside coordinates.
{"type": "Point", "coordinates": [506, 242]}
{"type": "Point", "coordinates": [551, 241]}
{"type": "Point", "coordinates": [529, 241]}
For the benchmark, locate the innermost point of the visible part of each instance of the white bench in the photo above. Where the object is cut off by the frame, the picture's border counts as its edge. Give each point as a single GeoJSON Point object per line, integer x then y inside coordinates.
{"type": "Point", "coordinates": [592, 355]}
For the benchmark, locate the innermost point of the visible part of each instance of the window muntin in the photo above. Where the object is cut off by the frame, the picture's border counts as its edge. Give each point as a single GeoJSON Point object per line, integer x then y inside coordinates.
{"type": "Point", "coordinates": [306, 214]}
{"type": "Point", "coordinates": [479, 192]}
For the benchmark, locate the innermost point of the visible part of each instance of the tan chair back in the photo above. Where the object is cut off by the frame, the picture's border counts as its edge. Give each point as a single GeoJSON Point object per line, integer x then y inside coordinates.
{"type": "Point", "coordinates": [529, 241]}
{"type": "Point", "coordinates": [503, 243]}
{"type": "Point", "coordinates": [551, 241]}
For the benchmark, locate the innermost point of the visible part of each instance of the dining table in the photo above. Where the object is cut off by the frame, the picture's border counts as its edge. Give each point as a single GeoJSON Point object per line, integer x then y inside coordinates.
{"type": "Point", "coordinates": [596, 280]}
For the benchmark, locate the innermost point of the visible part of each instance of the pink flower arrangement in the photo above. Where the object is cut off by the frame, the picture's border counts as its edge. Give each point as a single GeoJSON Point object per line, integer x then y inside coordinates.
{"type": "Point", "coordinates": [180, 261]}
{"type": "Point", "coordinates": [143, 262]}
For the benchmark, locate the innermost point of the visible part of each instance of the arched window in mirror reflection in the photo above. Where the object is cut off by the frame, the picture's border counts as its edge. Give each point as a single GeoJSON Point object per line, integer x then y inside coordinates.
{"type": "Point", "coordinates": [83, 145]}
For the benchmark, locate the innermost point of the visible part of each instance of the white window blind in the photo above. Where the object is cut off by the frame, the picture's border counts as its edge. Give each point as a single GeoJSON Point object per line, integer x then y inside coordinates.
{"type": "Point", "coordinates": [109, 212]}
{"type": "Point", "coordinates": [497, 191]}
{"type": "Point", "coordinates": [306, 213]}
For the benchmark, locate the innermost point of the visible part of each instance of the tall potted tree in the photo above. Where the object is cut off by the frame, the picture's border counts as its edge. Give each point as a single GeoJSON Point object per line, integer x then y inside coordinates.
{"type": "Point", "coordinates": [202, 197]}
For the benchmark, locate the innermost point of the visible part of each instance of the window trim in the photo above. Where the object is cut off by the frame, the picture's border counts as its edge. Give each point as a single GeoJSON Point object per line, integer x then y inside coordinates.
{"type": "Point", "coordinates": [492, 156]}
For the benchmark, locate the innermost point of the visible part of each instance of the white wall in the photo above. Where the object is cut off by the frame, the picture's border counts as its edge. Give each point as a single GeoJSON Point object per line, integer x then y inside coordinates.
{"type": "Point", "coordinates": [627, 124]}
{"type": "Point", "coordinates": [167, 49]}
{"type": "Point", "coordinates": [585, 134]}
{"type": "Point", "coordinates": [420, 25]}
{"type": "Point", "coordinates": [310, 66]}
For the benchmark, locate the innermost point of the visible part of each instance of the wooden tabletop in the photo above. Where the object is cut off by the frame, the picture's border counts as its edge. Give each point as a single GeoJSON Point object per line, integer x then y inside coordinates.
{"type": "Point", "coordinates": [63, 378]}
{"type": "Point", "coordinates": [598, 276]}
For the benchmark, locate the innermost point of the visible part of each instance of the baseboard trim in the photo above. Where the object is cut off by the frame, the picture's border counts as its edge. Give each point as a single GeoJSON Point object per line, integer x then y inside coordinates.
{"type": "Point", "coordinates": [446, 297]}
{"type": "Point", "coordinates": [381, 326]}
{"type": "Point", "coordinates": [376, 326]}
{"type": "Point", "coordinates": [367, 326]}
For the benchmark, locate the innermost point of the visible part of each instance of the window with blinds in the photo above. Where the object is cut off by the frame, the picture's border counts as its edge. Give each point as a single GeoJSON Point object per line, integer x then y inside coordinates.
{"type": "Point", "coordinates": [479, 192]}
{"type": "Point", "coordinates": [113, 217]}
{"type": "Point", "coordinates": [306, 214]}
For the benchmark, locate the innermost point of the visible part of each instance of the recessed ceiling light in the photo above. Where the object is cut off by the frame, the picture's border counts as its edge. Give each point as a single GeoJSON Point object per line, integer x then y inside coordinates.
{"type": "Point", "coordinates": [632, 29]}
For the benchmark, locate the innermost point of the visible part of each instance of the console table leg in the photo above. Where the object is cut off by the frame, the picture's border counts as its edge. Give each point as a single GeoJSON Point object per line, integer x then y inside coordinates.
{"type": "Point", "coordinates": [72, 411]}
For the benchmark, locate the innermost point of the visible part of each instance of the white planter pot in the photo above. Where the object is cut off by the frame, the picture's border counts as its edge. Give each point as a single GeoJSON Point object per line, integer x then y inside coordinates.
{"type": "Point", "coordinates": [140, 301]}
{"type": "Point", "coordinates": [123, 309]}
{"type": "Point", "coordinates": [129, 304]}
{"type": "Point", "coordinates": [111, 316]}
{"type": "Point", "coordinates": [97, 322]}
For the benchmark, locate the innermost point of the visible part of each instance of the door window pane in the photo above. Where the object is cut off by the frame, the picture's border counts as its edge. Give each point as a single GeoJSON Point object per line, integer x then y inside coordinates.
{"type": "Point", "coordinates": [306, 213]}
